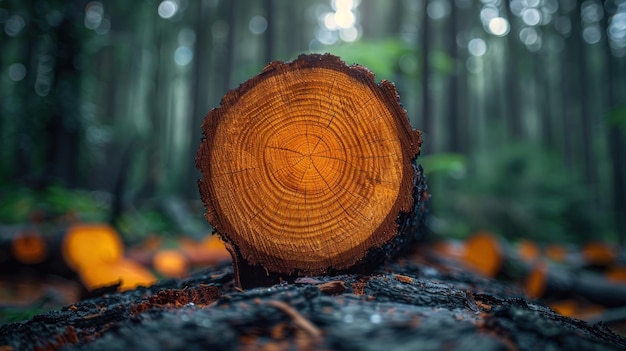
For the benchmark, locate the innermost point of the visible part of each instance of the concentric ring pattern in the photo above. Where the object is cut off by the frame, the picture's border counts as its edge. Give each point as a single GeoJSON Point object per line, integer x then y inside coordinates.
{"type": "Point", "coordinates": [305, 174]}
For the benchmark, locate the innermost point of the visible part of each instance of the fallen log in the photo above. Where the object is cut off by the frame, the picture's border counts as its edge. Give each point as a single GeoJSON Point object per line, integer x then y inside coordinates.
{"type": "Point", "coordinates": [400, 306]}
{"type": "Point", "coordinates": [308, 168]}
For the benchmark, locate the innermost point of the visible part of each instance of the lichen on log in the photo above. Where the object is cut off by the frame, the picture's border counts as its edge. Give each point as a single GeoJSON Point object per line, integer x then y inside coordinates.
{"type": "Point", "coordinates": [308, 168]}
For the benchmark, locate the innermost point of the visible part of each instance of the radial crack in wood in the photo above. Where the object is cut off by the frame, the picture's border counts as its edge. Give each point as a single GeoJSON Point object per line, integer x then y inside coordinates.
{"type": "Point", "coordinates": [308, 169]}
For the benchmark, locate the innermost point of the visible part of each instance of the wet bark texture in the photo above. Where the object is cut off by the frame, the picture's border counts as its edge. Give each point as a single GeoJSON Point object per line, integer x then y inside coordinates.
{"type": "Point", "coordinates": [405, 305]}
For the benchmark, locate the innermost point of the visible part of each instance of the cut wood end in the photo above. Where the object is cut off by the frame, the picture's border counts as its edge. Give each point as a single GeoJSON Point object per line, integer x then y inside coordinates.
{"type": "Point", "coordinates": [307, 166]}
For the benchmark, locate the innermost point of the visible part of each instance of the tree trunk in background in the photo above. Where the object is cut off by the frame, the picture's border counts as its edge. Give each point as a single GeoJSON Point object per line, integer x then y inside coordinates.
{"type": "Point", "coordinates": [268, 36]}
{"type": "Point", "coordinates": [570, 80]}
{"type": "Point", "coordinates": [616, 147]}
{"type": "Point", "coordinates": [541, 98]}
{"type": "Point", "coordinates": [549, 135]}
{"type": "Point", "coordinates": [616, 142]}
{"type": "Point", "coordinates": [424, 48]}
{"type": "Point", "coordinates": [200, 79]}
{"type": "Point", "coordinates": [583, 96]}
{"type": "Point", "coordinates": [513, 120]}
{"type": "Point", "coordinates": [231, 15]}
{"type": "Point", "coordinates": [397, 13]}
{"type": "Point", "coordinates": [463, 106]}
{"type": "Point", "coordinates": [62, 123]}
{"type": "Point", "coordinates": [26, 144]}
{"type": "Point", "coordinates": [47, 130]}
{"type": "Point", "coordinates": [454, 142]}
{"type": "Point", "coordinates": [154, 155]}
{"type": "Point", "coordinates": [295, 36]}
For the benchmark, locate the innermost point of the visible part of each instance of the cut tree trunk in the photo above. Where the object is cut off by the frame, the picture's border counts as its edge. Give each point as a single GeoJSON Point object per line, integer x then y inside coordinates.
{"type": "Point", "coordinates": [308, 169]}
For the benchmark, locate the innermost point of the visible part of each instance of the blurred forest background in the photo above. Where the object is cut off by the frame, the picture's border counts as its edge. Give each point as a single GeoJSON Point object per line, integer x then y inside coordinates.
{"type": "Point", "coordinates": [523, 104]}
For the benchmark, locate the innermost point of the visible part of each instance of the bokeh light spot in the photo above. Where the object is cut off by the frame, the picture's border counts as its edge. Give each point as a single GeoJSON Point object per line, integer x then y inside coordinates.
{"type": "Point", "coordinates": [591, 11]}
{"type": "Point", "coordinates": [488, 13]}
{"type": "Point", "coordinates": [17, 72]}
{"type": "Point", "coordinates": [517, 6]}
{"type": "Point", "coordinates": [474, 64]}
{"type": "Point", "coordinates": [592, 34]}
{"type": "Point", "coordinates": [477, 47]}
{"type": "Point", "coordinates": [532, 3]}
{"type": "Point", "coordinates": [531, 16]}
{"type": "Point", "coordinates": [14, 25]}
{"type": "Point", "coordinates": [617, 29]}
{"type": "Point", "coordinates": [94, 13]}
{"type": "Point", "coordinates": [528, 35]}
{"type": "Point", "coordinates": [104, 27]}
{"type": "Point", "coordinates": [183, 56]}
{"type": "Point", "coordinates": [499, 26]}
{"type": "Point", "coordinates": [167, 9]}
{"type": "Point", "coordinates": [343, 4]}
{"type": "Point", "coordinates": [438, 9]}
{"type": "Point", "coordinates": [550, 6]}
{"type": "Point", "coordinates": [257, 25]}
{"type": "Point", "coordinates": [531, 37]}
{"type": "Point", "coordinates": [328, 20]}
{"type": "Point", "coordinates": [325, 36]}
{"type": "Point", "coordinates": [349, 34]}
{"type": "Point", "coordinates": [337, 25]}
{"type": "Point", "coordinates": [344, 18]}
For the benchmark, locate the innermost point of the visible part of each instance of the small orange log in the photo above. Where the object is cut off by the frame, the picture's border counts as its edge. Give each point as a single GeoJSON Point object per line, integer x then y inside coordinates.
{"type": "Point", "coordinates": [171, 263]}
{"type": "Point", "coordinates": [537, 280]}
{"type": "Point", "coordinates": [128, 273]}
{"type": "Point", "coordinates": [528, 251]}
{"type": "Point", "coordinates": [308, 169]}
{"type": "Point", "coordinates": [96, 252]}
{"type": "Point", "coordinates": [483, 253]}
{"type": "Point", "coordinates": [617, 274]}
{"type": "Point", "coordinates": [556, 253]}
{"type": "Point", "coordinates": [29, 247]}
{"type": "Point", "coordinates": [599, 254]}
{"type": "Point", "coordinates": [91, 244]}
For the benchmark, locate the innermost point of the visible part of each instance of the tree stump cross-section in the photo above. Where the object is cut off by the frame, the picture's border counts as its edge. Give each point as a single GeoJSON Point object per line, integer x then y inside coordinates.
{"type": "Point", "coordinates": [307, 169]}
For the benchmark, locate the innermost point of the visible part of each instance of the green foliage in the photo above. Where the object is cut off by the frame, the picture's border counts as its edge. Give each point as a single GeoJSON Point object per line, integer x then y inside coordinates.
{"type": "Point", "coordinates": [136, 225]}
{"type": "Point", "coordinates": [617, 116]}
{"type": "Point", "coordinates": [450, 163]}
{"type": "Point", "coordinates": [381, 57]}
{"type": "Point", "coordinates": [14, 314]}
{"type": "Point", "coordinates": [52, 204]}
{"type": "Point", "coordinates": [516, 190]}
{"type": "Point", "coordinates": [19, 203]}
{"type": "Point", "coordinates": [441, 62]}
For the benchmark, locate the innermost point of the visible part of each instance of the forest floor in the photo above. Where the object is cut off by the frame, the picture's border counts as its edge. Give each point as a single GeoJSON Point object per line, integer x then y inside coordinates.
{"type": "Point", "coordinates": [423, 301]}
